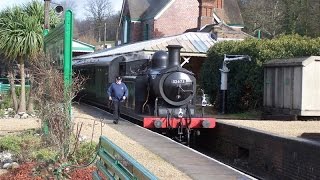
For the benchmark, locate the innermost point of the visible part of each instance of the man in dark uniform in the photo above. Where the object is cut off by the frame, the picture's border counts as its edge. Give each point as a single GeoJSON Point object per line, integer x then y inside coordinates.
{"type": "Point", "coordinates": [117, 92]}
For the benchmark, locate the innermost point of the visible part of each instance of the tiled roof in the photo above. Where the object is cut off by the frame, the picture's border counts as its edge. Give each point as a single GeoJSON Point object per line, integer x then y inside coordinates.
{"type": "Point", "coordinates": [142, 9]}
{"type": "Point", "coordinates": [230, 13]}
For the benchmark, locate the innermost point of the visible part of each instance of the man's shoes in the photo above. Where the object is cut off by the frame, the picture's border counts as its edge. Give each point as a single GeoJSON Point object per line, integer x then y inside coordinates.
{"type": "Point", "coordinates": [115, 122]}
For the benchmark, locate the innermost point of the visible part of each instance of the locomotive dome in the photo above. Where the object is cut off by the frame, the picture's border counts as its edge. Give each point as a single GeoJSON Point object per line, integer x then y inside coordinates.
{"type": "Point", "coordinates": [159, 60]}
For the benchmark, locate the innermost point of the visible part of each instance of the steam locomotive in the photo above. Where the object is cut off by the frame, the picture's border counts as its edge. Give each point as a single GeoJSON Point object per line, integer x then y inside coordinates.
{"type": "Point", "coordinates": [162, 94]}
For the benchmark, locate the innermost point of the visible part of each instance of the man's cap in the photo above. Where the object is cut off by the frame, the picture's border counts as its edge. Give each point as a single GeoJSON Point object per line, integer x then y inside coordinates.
{"type": "Point", "coordinates": [118, 78]}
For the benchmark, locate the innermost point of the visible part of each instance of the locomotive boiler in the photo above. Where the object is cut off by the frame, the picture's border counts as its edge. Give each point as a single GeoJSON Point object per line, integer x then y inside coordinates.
{"type": "Point", "coordinates": [166, 93]}
{"type": "Point", "coordinates": [167, 87]}
{"type": "Point", "coordinates": [162, 94]}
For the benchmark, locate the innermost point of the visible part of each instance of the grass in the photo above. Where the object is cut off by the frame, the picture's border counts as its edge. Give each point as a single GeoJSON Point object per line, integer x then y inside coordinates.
{"type": "Point", "coordinates": [20, 142]}
{"type": "Point", "coordinates": [247, 115]}
{"type": "Point", "coordinates": [211, 111]}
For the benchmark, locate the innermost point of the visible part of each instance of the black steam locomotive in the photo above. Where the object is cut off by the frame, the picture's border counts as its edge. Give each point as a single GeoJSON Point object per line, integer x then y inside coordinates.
{"type": "Point", "coordinates": [162, 94]}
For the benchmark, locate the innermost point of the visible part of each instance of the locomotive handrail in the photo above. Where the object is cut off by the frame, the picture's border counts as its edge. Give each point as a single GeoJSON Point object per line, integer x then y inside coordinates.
{"type": "Point", "coordinates": [115, 163]}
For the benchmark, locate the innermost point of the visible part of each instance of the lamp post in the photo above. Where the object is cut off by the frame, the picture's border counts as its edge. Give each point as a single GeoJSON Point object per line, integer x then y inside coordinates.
{"type": "Point", "coordinates": [224, 76]}
{"type": "Point", "coordinates": [46, 16]}
{"type": "Point", "coordinates": [58, 9]}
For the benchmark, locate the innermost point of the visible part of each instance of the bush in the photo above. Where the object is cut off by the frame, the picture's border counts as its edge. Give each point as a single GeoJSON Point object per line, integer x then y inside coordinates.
{"type": "Point", "coordinates": [11, 143]}
{"type": "Point", "coordinates": [84, 153]}
{"type": "Point", "coordinates": [245, 79]}
{"type": "Point", "coordinates": [45, 154]}
{"type": "Point", "coordinates": [6, 101]}
{"type": "Point", "coordinates": [20, 144]}
{"type": "Point", "coordinates": [28, 146]}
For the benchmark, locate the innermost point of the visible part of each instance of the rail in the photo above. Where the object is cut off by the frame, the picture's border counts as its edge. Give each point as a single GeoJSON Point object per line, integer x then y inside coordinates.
{"type": "Point", "coordinates": [115, 163]}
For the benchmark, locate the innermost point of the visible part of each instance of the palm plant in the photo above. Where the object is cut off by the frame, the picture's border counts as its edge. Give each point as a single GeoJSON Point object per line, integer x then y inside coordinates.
{"type": "Point", "coordinates": [21, 37]}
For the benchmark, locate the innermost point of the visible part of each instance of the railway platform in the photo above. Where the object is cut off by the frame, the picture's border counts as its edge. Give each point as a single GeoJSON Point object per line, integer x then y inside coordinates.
{"type": "Point", "coordinates": [160, 155]}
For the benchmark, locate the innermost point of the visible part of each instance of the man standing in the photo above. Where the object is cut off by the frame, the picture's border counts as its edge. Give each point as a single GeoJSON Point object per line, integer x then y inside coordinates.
{"type": "Point", "coordinates": [117, 92]}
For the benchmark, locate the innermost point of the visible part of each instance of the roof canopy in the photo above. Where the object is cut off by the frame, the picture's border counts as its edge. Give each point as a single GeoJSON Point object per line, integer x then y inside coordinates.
{"type": "Point", "coordinates": [78, 46]}
{"type": "Point", "coordinates": [193, 44]}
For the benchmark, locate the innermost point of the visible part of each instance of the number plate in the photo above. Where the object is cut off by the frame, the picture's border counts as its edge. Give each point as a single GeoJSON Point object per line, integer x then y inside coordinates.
{"type": "Point", "coordinates": [178, 81]}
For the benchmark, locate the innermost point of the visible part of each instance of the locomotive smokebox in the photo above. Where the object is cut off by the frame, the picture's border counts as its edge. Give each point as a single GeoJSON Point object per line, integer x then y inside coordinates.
{"type": "Point", "coordinates": [174, 55]}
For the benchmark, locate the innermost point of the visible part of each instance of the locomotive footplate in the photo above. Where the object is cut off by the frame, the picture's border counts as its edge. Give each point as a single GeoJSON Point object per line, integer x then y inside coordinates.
{"type": "Point", "coordinates": [192, 123]}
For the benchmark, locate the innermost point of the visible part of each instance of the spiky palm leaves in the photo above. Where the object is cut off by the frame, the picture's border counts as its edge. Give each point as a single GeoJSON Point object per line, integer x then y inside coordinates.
{"type": "Point", "coordinates": [21, 37]}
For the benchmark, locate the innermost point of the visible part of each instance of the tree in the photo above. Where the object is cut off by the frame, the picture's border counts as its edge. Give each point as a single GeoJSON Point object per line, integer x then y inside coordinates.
{"type": "Point", "coordinates": [302, 17]}
{"type": "Point", "coordinates": [21, 37]}
{"type": "Point", "coordinates": [274, 17]}
{"type": "Point", "coordinates": [262, 15]}
{"type": "Point", "coordinates": [9, 66]}
{"type": "Point", "coordinates": [99, 11]}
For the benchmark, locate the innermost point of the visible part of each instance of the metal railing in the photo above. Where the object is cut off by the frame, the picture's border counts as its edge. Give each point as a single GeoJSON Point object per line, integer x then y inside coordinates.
{"type": "Point", "coordinates": [115, 163]}
{"type": "Point", "coordinates": [4, 88]}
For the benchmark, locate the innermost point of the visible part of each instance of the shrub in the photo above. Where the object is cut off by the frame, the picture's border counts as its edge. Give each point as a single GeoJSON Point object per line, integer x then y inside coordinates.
{"type": "Point", "coordinates": [6, 101]}
{"type": "Point", "coordinates": [21, 145]}
{"type": "Point", "coordinates": [84, 153]}
{"type": "Point", "coordinates": [45, 154]}
{"type": "Point", "coordinates": [11, 143]}
{"type": "Point", "coordinates": [245, 79]}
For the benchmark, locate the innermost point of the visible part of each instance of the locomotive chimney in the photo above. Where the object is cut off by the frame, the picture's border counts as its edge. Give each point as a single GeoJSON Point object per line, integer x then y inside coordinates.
{"type": "Point", "coordinates": [174, 55]}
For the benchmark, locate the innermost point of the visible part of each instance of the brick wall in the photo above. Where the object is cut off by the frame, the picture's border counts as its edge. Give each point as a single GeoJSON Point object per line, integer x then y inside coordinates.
{"type": "Point", "coordinates": [136, 32]}
{"type": "Point", "coordinates": [267, 156]}
{"type": "Point", "coordinates": [182, 15]}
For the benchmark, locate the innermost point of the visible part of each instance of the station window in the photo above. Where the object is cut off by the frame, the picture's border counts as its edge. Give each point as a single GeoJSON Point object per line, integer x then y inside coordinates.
{"type": "Point", "coordinates": [146, 32]}
{"type": "Point", "coordinates": [126, 30]}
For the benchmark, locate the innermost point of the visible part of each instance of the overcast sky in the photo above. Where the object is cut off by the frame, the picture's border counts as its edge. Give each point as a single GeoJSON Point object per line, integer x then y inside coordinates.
{"type": "Point", "coordinates": [81, 3]}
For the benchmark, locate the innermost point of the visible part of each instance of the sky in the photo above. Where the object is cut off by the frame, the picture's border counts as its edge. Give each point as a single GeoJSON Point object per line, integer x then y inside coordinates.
{"type": "Point", "coordinates": [78, 13]}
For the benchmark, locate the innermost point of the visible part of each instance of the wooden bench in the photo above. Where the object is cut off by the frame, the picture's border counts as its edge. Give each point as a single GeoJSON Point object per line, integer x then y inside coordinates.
{"type": "Point", "coordinates": [114, 163]}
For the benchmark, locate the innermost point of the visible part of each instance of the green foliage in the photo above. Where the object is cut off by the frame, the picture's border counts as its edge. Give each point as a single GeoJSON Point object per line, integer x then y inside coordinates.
{"type": "Point", "coordinates": [29, 146]}
{"type": "Point", "coordinates": [84, 153]}
{"type": "Point", "coordinates": [245, 79]}
{"type": "Point", "coordinates": [273, 17]}
{"type": "Point", "coordinates": [1, 113]}
{"type": "Point", "coordinates": [6, 102]}
{"type": "Point", "coordinates": [10, 143]}
{"type": "Point", "coordinates": [247, 115]}
{"type": "Point", "coordinates": [45, 154]}
{"type": "Point", "coordinates": [18, 90]}
{"type": "Point", "coordinates": [18, 144]}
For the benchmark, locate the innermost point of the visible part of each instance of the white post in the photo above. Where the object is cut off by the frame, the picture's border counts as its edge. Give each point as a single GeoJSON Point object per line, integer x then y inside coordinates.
{"type": "Point", "coordinates": [224, 85]}
{"type": "Point", "coordinates": [224, 76]}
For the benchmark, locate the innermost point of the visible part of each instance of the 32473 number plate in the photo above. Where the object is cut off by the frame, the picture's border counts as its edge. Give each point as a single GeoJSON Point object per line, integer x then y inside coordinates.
{"type": "Point", "coordinates": [178, 81]}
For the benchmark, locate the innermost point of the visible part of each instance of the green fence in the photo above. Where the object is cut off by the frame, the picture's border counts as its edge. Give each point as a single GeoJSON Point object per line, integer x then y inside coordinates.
{"type": "Point", "coordinates": [114, 163]}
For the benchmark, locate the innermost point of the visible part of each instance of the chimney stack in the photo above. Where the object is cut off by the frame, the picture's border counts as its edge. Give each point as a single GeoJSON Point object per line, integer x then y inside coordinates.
{"type": "Point", "coordinates": [174, 55]}
{"type": "Point", "coordinates": [206, 9]}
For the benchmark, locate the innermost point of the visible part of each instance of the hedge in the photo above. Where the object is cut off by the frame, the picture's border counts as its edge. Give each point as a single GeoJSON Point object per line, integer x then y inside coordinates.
{"type": "Point", "coordinates": [245, 79]}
